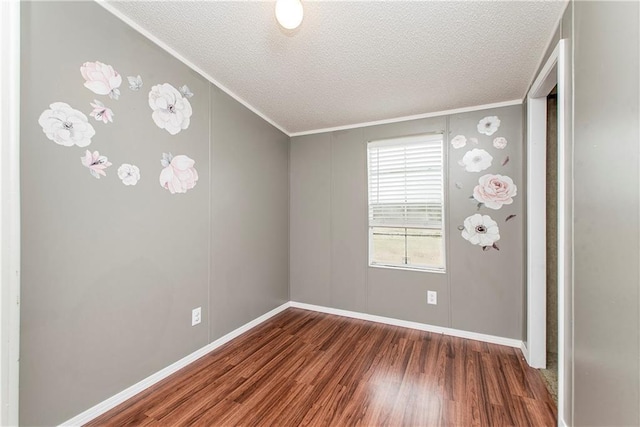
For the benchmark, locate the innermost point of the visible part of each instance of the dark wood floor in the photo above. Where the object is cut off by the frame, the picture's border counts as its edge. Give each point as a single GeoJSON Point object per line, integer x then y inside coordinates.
{"type": "Point", "coordinates": [308, 368]}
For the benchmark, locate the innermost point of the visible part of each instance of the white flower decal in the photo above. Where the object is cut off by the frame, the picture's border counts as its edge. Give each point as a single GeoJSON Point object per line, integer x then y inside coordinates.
{"type": "Point", "coordinates": [495, 190]}
{"type": "Point", "coordinates": [171, 110]}
{"type": "Point", "coordinates": [100, 112]}
{"type": "Point", "coordinates": [66, 126]}
{"type": "Point", "coordinates": [476, 160]}
{"type": "Point", "coordinates": [129, 174]}
{"type": "Point", "coordinates": [459, 141]}
{"type": "Point", "coordinates": [179, 173]}
{"type": "Point", "coordinates": [101, 79]}
{"type": "Point", "coordinates": [500, 143]}
{"type": "Point", "coordinates": [96, 163]}
{"type": "Point", "coordinates": [135, 83]}
{"type": "Point", "coordinates": [481, 230]}
{"type": "Point", "coordinates": [185, 91]}
{"type": "Point", "coordinates": [489, 125]}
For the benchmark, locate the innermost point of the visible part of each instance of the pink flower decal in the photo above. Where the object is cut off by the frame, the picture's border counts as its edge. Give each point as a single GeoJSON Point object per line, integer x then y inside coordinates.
{"type": "Point", "coordinates": [459, 141]}
{"type": "Point", "coordinates": [500, 143]}
{"type": "Point", "coordinates": [495, 190]}
{"type": "Point", "coordinates": [101, 79]}
{"type": "Point", "coordinates": [66, 126]}
{"type": "Point", "coordinates": [171, 109]}
{"type": "Point", "coordinates": [100, 112]}
{"type": "Point", "coordinates": [178, 174]}
{"type": "Point", "coordinates": [96, 163]}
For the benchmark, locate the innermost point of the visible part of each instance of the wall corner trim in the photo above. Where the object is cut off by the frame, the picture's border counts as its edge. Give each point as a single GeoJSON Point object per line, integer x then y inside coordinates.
{"type": "Point", "coordinates": [152, 379]}
{"type": "Point", "coordinates": [509, 342]}
{"type": "Point", "coordinates": [146, 33]}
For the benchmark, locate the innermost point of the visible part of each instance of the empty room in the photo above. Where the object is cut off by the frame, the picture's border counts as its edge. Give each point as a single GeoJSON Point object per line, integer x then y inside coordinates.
{"type": "Point", "coordinates": [322, 213]}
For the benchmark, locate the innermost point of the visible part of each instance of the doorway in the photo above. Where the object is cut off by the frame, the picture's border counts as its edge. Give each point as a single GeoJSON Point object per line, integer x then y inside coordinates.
{"type": "Point", "coordinates": [550, 373]}
{"type": "Point", "coordinates": [553, 77]}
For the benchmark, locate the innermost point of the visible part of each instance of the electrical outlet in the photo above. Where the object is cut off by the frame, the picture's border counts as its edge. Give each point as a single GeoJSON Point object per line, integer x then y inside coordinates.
{"type": "Point", "coordinates": [432, 297]}
{"type": "Point", "coordinates": [196, 316]}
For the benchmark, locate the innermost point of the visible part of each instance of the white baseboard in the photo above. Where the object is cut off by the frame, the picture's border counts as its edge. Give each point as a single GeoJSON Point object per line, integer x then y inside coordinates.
{"type": "Point", "coordinates": [525, 352]}
{"type": "Point", "coordinates": [510, 342]}
{"type": "Point", "coordinates": [128, 393]}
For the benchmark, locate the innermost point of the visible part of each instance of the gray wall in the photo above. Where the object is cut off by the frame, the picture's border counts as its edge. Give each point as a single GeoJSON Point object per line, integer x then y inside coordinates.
{"type": "Point", "coordinates": [481, 291]}
{"type": "Point", "coordinates": [606, 203]}
{"type": "Point", "coordinates": [602, 300]}
{"type": "Point", "coordinates": [110, 273]}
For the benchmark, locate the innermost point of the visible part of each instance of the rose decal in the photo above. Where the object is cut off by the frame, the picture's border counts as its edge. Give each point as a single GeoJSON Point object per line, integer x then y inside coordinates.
{"type": "Point", "coordinates": [96, 163]}
{"type": "Point", "coordinates": [100, 112]}
{"type": "Point", "coordinates": [66, 126]}
{"type": "Point", "coordinates": [489, 125]}
{"type": "Point", "coordinates": [178, 174]}
{"type": "Point", "coordinates": [481, 230]}
{"type": "Point", "coordinates": [476, 160]}
{"type": "Point", "coordinates": [500, 143]}
{"type": "Point", "coordinates": [494, 191]}
{"type": "Point", "coordinates": [101, 79]}
{"type": "Point", "coordinates": [459, 141]}
{"type": "Point", "coordinates": [129, 174]}
{"type": "Point", "coordinates": [171, 110]}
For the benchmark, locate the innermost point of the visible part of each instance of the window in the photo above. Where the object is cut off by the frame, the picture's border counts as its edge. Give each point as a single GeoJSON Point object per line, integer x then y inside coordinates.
{"type": "Point", "coordinates": [406, 202]}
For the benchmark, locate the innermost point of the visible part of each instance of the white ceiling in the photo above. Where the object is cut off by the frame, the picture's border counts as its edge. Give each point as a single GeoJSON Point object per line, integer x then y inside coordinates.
{"type": "Point", "coordinates": [356, 62]}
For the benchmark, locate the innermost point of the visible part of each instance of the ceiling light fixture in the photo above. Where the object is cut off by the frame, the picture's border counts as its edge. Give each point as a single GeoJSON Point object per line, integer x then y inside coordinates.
{"type": "Point", "coordinates": [289, 13]}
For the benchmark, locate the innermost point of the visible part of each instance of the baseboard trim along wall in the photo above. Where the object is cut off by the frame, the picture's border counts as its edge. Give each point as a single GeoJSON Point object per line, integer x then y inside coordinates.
{"type": "Point", "coordinates": [509, 342]}
{"type": "Point", "coordinates": [128, 393]}
{"type": "Point", "coordinates": [525, 352]}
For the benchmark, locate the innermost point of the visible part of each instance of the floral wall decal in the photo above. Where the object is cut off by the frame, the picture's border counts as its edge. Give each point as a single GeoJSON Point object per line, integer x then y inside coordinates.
{"type": "Point", "coordinates": [476, 160]}
{"type": "Point", "coordinates": [135, 82]}
{"type": "Point", "coordinates": [500, 143]}
{"type": "Point", "coordinates": [129, 174]}
{"type": "Point", "coordinates": [171, 110]}
{"type": "Point", "coordinates": [101, 79]}
{"type": "Point", "coordinates": [481, 230]}
{"type": "Point", "coordinates": [459, 141]}
{"type": "Point", "coordinates": [100, 112]}
{"type": "Point", "coordinates": [489, 125]}
{"type": "Point", "coordinates": [179, 173]}
{"type": "Point", "coordinates": [493, 191]}
{"type": "Point", "coordinates": [185, 91]}
{"type": "Point", "coordinates": [66, 126]}
{"type": "Point", "coordinates": [96, 163]}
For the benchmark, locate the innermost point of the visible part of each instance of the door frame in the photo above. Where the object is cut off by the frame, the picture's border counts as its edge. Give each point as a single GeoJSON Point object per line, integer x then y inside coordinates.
{"type": "Point", "coordinates": [9, 212]}
{"type": "Point", "coordinates": [553, 73]}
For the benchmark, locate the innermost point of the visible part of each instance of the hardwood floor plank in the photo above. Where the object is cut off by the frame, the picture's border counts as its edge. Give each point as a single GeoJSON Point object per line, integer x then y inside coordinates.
{"type": "Point", "coordinates": [303, 368]}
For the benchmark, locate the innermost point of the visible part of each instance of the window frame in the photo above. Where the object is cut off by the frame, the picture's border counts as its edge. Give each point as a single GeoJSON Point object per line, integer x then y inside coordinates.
{"type": "Point", "coordinates": [405, 140]}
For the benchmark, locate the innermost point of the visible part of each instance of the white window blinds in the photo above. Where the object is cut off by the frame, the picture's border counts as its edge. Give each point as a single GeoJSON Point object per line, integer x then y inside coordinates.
{"type": "Point", "coordinates": [406, 182]}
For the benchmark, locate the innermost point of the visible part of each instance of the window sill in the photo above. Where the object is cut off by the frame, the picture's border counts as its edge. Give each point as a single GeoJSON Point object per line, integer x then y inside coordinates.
{"type": "Point", "coordinates": [420, 270]}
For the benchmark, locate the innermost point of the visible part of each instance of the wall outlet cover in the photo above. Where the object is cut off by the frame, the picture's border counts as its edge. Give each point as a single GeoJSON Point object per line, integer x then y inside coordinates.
{"type": "Point", "coordinates": [432, 297]}
{"type": "Point", "coordinates": [196, 316]}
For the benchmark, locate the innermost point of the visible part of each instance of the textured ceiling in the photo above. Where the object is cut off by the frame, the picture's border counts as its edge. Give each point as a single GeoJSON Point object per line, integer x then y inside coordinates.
{"type": "Point", "coordinates": [355, 62]}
